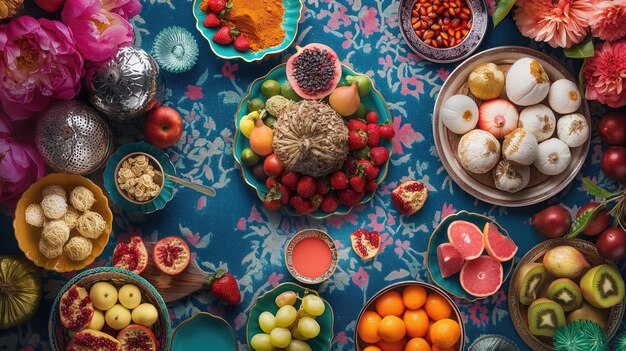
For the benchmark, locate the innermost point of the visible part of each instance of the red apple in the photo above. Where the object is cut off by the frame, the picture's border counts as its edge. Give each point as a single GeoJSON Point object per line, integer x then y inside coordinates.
{"type": "Point", "coordinates": [599, 223]}
{"type": "Point", "coordinates": [50, 5]}
{"type": "Point", "coordinates": [163, 127]}
{"type": "Point", "coordinates": [612, 244]}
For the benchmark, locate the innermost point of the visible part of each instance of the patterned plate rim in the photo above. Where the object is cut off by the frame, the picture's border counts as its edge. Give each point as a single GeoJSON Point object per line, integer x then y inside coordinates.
{"type": "Point", "coordinates": [299, 236]}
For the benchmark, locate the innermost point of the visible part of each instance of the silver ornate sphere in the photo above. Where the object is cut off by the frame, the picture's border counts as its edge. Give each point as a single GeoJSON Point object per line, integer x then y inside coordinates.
{"type": "Point", "coordinates": [125, 86]}
{"type": "Point", "coordinates": [73, 138]}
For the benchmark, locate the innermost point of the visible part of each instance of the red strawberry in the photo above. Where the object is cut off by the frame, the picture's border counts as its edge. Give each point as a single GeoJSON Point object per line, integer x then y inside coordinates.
{"type": "Point", "coordinates": [225, 35]}
{"type": "Point", "coordinates": [371, 117]}
{"type": "Point", "coordinates": [306, 187]}
{"type": "Point", "coordinates": [349, 165]}
{"type": "Point", "coordinates": [215, 6]}
{"type": "Point", "coordinates": [272, 198]}
{"type": "Point", "coordinates": [290, 179]}
{"type": "Point", "coordinates": [285, 193]}
{"type": "Point", "coordinates": [329, 204]}
{"type": "Point", "coordinates": [242, 43]}
{"type": "Point", "coordinates": [386, 131]}
{"type": "Point", "coordinates": [356, 124]}
{"type": "Point", "coordinates": [379, 155]}
{"type": "Point", "coordinates": [349, 197]}
{"type": "Point", "coordinates": [338, 180]}
{"type": "Point", "coordinates": [322, 186]}
{"type": "Point", "coordinates": [299, 203]}
{"type": "Point", "coordinates": [316, 201]}
{"type": "Point", "coordinates": [368, 169]}
{"type": "Point", "coordinates": [371, 185]}
{"type": "Point", "coordinates": [224, 286]}
{"type": "Point", "coordinates": [373, 135]}
{"type": "Point", "coordinates": [357, 139]}
{"type": "Point", "coordinates": [273, 205]}
{"type": "Point", "coordinates": [212, 21]}
{"type": "Point", "coordinates": [271, 183]}
{"type": "Point", "coordinates": [357, 183]}
{"type": "Point", "coordinates": [376, 172]}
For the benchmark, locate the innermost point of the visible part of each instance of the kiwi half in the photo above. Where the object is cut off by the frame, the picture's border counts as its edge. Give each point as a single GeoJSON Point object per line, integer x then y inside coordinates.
{"type": "Point", "coordinates": [588, 313]}
{"type": "Point", "coordinates": [602, 286]}
{"type": "Point", "coordinates": [566, 293]}
{"type": "Point", "coordinates": [545, 317]}
{"type": "Point", "coordinates": [530, 280]}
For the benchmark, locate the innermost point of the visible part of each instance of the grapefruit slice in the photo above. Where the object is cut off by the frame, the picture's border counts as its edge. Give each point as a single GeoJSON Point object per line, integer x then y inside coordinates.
{"type": "Point", "coordinates": [467, 238]}
{"type": "Point", "coordinates": [500, 247]}
{"type": "Point", "coordinates": [450, 260]}
{"type": "Point", "coordinates": [481, 277]}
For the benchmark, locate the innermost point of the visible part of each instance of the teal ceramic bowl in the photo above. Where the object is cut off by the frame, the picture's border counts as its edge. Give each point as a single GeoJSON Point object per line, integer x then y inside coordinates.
{"type": "Point", "coordinates": [291, 19]}
{"type": "Point", "coordinates": [266, 302]}
{"type": "Point", "coordinates": [440, 235]}
{"type": "Point", "coordinates": [204, 329]}
{"type": "Point", "coordinates": [167, 192]}
{"type": "Point", "coordinates": [374, 101]}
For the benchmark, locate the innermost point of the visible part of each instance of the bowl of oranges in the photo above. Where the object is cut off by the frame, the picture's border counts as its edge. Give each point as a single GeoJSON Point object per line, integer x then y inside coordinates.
{"type": "Point", "coordinates": [410, 316]}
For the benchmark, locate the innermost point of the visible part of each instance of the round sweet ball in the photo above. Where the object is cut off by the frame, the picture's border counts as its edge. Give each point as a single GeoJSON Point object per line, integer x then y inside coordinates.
{"type": "Point", "coordinates": [53, 190]}
{"type": "Point", "coordinates": [54, 206]}
{"type": "Point", "coordinates": [48, 250]}
{"type": "Point", "coordinates": [82, 198]}
{"type": "Point", "coordinates": [90, 225]}
{"type": "Point", "coordinates": [34, 215]}
{"type": "Point", "coordinates": [78, 248]}
{"type": "Point", "coordinates": [55, 232]}
{"type": "Point", "coordinates": [70, 217]}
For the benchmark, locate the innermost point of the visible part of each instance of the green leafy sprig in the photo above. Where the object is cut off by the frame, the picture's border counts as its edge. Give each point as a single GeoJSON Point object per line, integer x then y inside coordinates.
{"type": "Point", "coordinates": [618, 210]}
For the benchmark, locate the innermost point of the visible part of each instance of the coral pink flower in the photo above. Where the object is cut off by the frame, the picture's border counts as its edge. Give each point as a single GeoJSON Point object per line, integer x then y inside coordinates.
{"type": "Point", "coordinates": [609, 20]}
{"type": "Point", "coordinates": [560, 23]}
{"type": "Point", "coordinates": [38, 62]}
{"type": "Point", "coordinates": [125, 8]}
{"type": "Point", "coordinates": [605, 74]}
{"type": "Point", "coordinates": [99, 33]}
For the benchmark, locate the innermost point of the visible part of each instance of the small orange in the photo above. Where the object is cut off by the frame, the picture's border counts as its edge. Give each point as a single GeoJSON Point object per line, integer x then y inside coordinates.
{"type": "Point", "coordinates": [390, 304]}
{"type": "Point", "coordinates": [392, 346]}
{"type": "Point", "coordinates": [437, 307]}
{"type": "Point", "coordinates": [445, 333]}
{"type": "Point", "coordinates": [391, 328]}
{"type": "Point", "coordinates": [417, 344]}
{"type": "Point", "coordinates": [417, 323]}
{"type": "Point", "coordinates": [372, 348]}
{"type": "Point", "coordinates": [437, 348]}
{"type": "Point", "coordinates": [414, 297]}
{"type": "Point", "coordinates": [368, 327]}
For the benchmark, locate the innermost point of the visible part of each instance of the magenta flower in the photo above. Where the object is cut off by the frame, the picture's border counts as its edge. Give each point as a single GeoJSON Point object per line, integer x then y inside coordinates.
{"type": "Point", "coordinates": [98, 32]}
{"type": "Point", "coordinates": [125, 8]}
{"type": "Point", "coordinates": [38, 63]}
{"type": "Point", "coordinates": [605, 74]}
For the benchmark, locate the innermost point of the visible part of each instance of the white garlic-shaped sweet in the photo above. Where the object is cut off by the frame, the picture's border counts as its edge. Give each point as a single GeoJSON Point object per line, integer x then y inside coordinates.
{"type": "Point", "coordinates": [520, 147]}
{"type": "Point", "coordinates": [527, 82]}
{"type": "Point", "coordinates": [564, 96]}
{"type": "Point", "coordinates": [498, 117]}
{"type": "Point", "coordinates": [573, 129]}
{"type": "Point", "coordinates": [511, 178]}
{"type": "Point", "coordinates": [538, 120]}
{"type": "Point", "coordinates": [553, 157]}
{"type": "Point", "coordinates": [486, 81]}
{"type": "Point", "coordinates": [478, 151]}
{"type": "Point", "coordinates": [459, 113]}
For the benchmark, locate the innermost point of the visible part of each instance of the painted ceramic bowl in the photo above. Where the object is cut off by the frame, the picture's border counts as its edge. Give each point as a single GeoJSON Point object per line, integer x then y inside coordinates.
{"type": "Point", "coordinates": [28, 236]}
{"type": "Point", "coordinates": [481, 186]}
{"type": "Point", "coordinates": [290, 21]}
{"type": "Point", "coordinates": [519, 312]}
{"type": "Point", "coordinates": [162, 329]}
{"type": "Point", "coordinates": [311, 233]}
{"type": "Point", "coordinates": [204, 329]}
{"type": "Point", "coordinates": [399, 287]}
{"type": "Point", "coordinates": [266, 302]}
{"type": "Point", "coordinates": [158, 158]}
{"type": "Point", "coordinates": [373, 101]}
{"type": "Point", "coordinates": [440, 235]}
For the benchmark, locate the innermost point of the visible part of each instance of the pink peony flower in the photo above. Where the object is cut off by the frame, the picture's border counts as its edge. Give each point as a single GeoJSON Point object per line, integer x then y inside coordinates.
{"type": "Point", "coordinates": [609, 20]}
{"type": "Point", "coordinates": [605, 74]}
{"type": "Point", "coordinates": [125, 8]}
{"type": "Point", "coordinates": [38, 63]}
{"type": "Point", "coordinates": [560, 23]}
{"type": "Point", "coordinates": [99, 32]}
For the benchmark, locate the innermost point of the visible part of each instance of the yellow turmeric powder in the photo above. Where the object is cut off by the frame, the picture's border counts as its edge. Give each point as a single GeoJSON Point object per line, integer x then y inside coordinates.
{"type": "Point", "coordinates": [259, 21]}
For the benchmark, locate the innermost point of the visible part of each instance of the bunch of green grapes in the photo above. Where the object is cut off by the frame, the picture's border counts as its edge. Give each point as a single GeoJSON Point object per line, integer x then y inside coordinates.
{"type": "Point", "coordinates": [290, 327]}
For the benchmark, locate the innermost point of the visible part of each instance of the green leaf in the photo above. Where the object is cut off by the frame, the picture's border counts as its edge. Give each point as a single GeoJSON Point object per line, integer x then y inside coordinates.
{"type": "Point", "coordinates": [595, 190]}
{"type": "Point", "coordinates": [503, 7]}
{"type": "Point", "coordinates": [582, 221]}
{"type": "Point", "coordinates": [583, 49]}
{"type": "Point", "coordinates": [581, 78]}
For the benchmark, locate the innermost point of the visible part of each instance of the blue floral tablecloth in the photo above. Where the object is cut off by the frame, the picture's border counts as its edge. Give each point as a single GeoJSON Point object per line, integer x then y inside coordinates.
{"type": "Point", "coordinates": [234, 231]}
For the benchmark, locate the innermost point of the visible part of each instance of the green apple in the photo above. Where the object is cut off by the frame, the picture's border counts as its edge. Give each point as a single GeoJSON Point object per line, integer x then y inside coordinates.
{"type": "Point", "coordinates": [363, 82]}
{"type": "Point", "coordinates": [103, 295]}
{"type": "Point", "coordinates": [129, 296]}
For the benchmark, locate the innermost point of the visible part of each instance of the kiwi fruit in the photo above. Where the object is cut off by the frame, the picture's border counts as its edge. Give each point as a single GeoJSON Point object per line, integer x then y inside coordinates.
{"type": "Point", "coordinates": [530, 280]}
{"type": "Point", "coordinates": [602, 286]}
{"type": "Point", "coordinates": [566, 293]}
{"type": "Point", "coordinates": [545, 317]}
{"type": "Point", "coordinates": [588, 313]}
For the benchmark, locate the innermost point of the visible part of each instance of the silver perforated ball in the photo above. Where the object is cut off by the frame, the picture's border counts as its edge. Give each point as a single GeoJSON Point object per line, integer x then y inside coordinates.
{"type": "Point", "coordinates": [73, 138]}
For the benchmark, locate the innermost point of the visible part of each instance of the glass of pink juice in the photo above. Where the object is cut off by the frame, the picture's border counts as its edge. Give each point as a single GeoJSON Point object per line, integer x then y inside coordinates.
{"type": "Point", "coordinates": [311, 256]}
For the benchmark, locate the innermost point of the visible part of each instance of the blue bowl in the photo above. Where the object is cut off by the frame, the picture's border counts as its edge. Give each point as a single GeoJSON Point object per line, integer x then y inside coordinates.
{"type": "Point", "coordinates": [204, 329]}
{"type": "Point", "coordinates": [373, 101]}
{"type": "Point", "coordinates": [291, 19]}
{"type": "Point", "coordinates": [162, 329]}
{"type": "Point", "coordinates": [440, 235]}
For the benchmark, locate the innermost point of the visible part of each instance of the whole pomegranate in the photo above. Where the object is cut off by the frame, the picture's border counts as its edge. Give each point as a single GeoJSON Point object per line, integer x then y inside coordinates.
{"type": "Point", "coordinates": [612, 128]}
{"type": "Point", "coordinates": [612, 244]}
{"type": "Point", "coordinates": [613, 162]}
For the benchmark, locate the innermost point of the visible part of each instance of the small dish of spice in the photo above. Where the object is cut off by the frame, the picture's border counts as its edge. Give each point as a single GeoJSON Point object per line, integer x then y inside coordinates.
{"type": "Point", "coordinates": [443, 31]}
